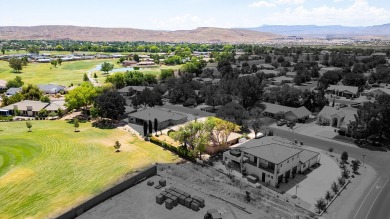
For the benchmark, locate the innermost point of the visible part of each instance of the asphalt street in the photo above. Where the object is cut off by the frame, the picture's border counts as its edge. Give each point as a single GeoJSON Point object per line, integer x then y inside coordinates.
{"type": "Point", "coordinates": [375, 203]}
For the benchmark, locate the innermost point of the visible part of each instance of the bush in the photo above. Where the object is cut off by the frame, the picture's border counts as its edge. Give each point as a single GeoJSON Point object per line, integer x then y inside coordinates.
{"type": "Point", "coordinates": [181, 151]}
{"type": "Point", "coordinates": [6, 118]}
{"type": "Point", "coordinates": [341, 180]}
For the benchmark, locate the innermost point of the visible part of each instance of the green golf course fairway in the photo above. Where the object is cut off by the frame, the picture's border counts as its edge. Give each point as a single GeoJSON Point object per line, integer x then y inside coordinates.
{"type": "Point", "coordinates": [52, 168]}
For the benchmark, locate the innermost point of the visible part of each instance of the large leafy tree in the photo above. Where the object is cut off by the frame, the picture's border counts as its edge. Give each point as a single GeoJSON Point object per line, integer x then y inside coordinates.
{"type": "Point", "coordinates": [233, 112]}
{"type": "Point", "coordinates": [250, 90]}
{"type": "Point", "coordinates": [221, 130]}
{"type": "Point", "coordinates": [330, 77]}
{"type": "Point", "coordinates": [31, 92]}
{"type": "Point", "coordinates": [147, 98]}
{"type": "Point", "coordinates": [354, 79]}
{"type": "Point", "coordinates": [196, 134]}
{"type": "Point", "coordinates": [106, 67]}
{"type": "Point", "coordinates": [82, 96]}
{"type": "Point", "coordinates": [110, 105]}
{"type": "Point", "coordinates": [16, 64]}
{"type": "Point", "coordinates": [17, 82]}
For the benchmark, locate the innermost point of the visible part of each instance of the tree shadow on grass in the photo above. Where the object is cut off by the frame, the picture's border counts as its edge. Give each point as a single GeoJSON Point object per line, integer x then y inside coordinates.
{"type": "Point", "coordinates": [104, 124]}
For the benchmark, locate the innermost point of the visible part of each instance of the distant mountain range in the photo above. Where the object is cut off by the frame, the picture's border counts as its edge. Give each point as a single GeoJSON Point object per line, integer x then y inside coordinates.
{"type": "Point", "coordinates": [321, 31]}
{"type": "Point", "coordinates": [202, 34]}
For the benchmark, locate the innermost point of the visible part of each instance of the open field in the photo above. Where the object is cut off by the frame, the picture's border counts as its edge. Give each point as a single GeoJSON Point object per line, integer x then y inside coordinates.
{"type": "Point", "coordinates": [154, 71]}
{"type": "Point", "coordinates": [52, 168]}
{"type": "Point", "coordinates": [43, 73]}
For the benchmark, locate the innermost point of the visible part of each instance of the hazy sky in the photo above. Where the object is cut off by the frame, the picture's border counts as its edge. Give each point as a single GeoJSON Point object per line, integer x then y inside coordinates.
{"type": "Point", "coordinates": [189, 14]}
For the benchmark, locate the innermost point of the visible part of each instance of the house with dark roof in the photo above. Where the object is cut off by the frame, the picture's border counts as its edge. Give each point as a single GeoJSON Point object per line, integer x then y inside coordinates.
{"type": "Point", "coordinates": [281, 80]}
{"type": "Point", "coordinates": [165, 118]}
{"type": "Point", "coordinates": [271, 161]}
{"type": "Point", "coordinates": [343, 91]}
{"type": "Point", "coordinates": [13, 90]}
{"type": "Point", "coordinates": [340, 118]}
{"type": "Point", "coordinates": [300, 114]}
{"type": "Point", "coordinates": [376, 92]}
{"type": "Point", "coordinates": [291, 74]}
{"type": "Point", "coordinates": [326, 69]}
{"type": "Point", "coordinates": [131, 90]}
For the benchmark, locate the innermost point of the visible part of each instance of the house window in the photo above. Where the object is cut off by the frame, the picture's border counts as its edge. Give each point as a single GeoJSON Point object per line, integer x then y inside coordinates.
{"type": "Point", "coordinates": [288, 161]}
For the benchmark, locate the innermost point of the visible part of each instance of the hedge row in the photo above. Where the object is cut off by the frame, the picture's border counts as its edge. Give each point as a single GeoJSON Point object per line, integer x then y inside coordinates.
{"type": "Point", "coordinates": [6, 118]}
{"type": "Point", "coordinates": [182, 152]}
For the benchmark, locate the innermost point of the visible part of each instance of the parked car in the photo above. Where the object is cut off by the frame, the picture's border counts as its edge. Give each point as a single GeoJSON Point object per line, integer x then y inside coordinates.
{"type": "Point", "coordinates": [259, 135]}
{"type": "Point", "coordinates": [281, 122]}
{"type": "Point", "coordinates": [290, 124]}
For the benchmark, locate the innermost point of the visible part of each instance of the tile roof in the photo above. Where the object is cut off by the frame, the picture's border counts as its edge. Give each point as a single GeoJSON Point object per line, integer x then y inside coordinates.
{"type": "Point", "coordinates": [54, 106]}
{"type": "Point", "coordinates": [51, 88]}
{"type": "Point", "coordinates": [160, 114]}
{"type": "Point", "coordinates": [282, 78]}
{"type": "Point", "coordinates": [136, 88]}
{"type": "Point", "coordinates": [275, 108]}
{"type": "Point", "coordinates": [307, 155]}
{"type": "Point", "coordinates": [347, 113]}
{"type": "Point", "coordinates": [13, 90]}
{"type": "Point", "coordinates": [301, 112]}
{"type": "Point", "coordinates": [275, 153]}
{"type": "Point", "coordinates": [340, 88]}
{"type": "Point", "coordinates": [22, 105]}
{"type": "Point", "coordinates": [291, 73]}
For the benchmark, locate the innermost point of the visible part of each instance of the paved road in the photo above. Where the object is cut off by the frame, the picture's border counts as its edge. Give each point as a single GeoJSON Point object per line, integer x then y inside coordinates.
{"type": "Point", "coordinates": [375, 202]}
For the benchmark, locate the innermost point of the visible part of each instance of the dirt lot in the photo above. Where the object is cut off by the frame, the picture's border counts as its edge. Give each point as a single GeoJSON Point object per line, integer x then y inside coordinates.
{"type": "Point", "coordinates": [219, 192]}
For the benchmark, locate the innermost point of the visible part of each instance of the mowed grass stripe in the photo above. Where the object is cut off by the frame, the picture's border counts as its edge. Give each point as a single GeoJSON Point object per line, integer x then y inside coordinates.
{"type": "Point", "coordinates": [67, 167]}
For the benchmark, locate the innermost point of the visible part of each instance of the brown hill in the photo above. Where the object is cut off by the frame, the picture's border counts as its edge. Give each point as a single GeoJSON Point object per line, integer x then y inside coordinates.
{"type": "Point", "coordinates": [203, 34]}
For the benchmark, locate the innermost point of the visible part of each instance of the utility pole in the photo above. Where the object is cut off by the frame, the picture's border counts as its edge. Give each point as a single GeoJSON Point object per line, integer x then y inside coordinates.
{"type": "Point", "coordinates": [363, 163]}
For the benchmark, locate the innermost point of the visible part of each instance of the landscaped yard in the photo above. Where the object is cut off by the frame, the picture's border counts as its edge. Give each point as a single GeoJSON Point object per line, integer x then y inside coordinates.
{"type": "Point", "coordinates": [52, 168]}
{"type": "Point", "coordinates": [44, 73]}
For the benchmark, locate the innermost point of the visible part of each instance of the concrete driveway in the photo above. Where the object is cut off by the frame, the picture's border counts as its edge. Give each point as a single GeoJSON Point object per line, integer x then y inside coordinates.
{"type": "Point", "coordinates": [314, 185]}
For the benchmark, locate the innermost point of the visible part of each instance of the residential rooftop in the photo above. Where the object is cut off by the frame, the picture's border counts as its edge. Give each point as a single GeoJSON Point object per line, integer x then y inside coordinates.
{"type": "Point", "coordinates": [160, 114]}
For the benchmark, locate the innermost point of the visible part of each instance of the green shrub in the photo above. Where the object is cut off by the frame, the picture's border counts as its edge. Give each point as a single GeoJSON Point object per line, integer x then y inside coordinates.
{"type": "Point", "coordinates": [6, 118]}
{"type": "Point", "coordinates": [181, 151]}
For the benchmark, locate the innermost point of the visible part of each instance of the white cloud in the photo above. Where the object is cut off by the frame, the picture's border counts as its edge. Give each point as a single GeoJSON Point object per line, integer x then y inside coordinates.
{"type": "Point", "coordinates": [267, 4]}
{"type": "Point", "coordinates": [296, 2]}
{"type": "Point", "coordinates": [359, 13]}
{"type": "Point", "coordinates": [261, 4]}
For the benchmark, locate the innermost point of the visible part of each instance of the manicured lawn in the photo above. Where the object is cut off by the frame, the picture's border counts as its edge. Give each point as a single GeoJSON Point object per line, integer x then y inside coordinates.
{"type": "Point", "coordinates": [43, 73]}
{"type": "Point", "coordinates": [52, 168]}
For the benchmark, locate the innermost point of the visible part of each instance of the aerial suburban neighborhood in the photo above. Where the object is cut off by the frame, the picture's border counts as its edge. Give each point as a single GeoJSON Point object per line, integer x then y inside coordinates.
{"type": "Point", "coordinates": [178, 119]}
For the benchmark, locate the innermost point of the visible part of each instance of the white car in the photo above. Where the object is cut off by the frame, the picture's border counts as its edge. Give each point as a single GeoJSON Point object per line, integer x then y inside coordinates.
{"type": "Point", "coordinates": [259, 135]}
